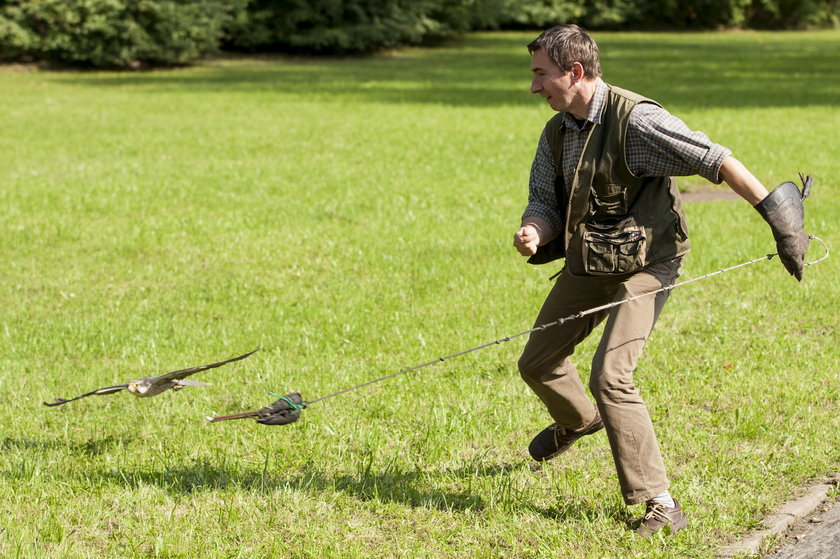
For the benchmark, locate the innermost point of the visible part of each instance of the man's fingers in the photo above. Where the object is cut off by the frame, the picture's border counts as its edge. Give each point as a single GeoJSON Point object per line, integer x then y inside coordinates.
{"type": "Point", "coordinates": [526, 235]}
{"type": "Point", "coordinates": [531, 248]}
{"type": "Point", "coordinates": [526, 240]}
{"type": "Point", "coordinates": [527, 249]}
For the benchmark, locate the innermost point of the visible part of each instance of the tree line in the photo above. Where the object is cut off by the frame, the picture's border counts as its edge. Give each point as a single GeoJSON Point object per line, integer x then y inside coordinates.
{"type": "Point", "coordinates": [137, 33]}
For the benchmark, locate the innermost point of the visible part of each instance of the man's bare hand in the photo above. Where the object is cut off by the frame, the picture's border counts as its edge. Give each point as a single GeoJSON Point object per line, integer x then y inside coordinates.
{"type": "Point", "coordinates": [526, 240]}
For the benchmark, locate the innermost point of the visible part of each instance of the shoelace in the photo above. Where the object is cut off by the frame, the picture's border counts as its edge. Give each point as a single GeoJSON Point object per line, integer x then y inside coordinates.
{"type": "Point", "coordinates": [657, 512]}
{"type": "Point", "coordinates": [559, 433]}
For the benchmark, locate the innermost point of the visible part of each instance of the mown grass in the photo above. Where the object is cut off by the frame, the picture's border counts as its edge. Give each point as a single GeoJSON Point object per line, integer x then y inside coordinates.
{"type": "Point", "coordinates": [354, 217]}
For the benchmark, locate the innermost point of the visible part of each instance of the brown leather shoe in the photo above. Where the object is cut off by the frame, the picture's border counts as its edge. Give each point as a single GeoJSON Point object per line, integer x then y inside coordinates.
{"type": "Point", "coordinates": [555, 440]}
{"type": "Point", "coordinates": [659, 517]}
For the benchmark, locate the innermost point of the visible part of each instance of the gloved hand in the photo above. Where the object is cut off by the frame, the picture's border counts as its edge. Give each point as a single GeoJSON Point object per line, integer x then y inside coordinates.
{"type": "Point", "coordinates": [280, 412]}
{"type": "Point", "coordinates": [784, 211]}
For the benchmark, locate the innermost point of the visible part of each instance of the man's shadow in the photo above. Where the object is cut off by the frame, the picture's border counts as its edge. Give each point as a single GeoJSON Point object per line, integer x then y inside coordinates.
{"type": "Point", "coordinates": [389, 483]}
{"type": "Point", "coordinates": [410, 487]}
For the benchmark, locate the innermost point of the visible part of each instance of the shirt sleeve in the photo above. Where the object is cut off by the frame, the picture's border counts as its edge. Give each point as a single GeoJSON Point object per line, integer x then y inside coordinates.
{"type": "Point", "coordinates": [661, 145]}
{"type": "Point", "coordinates": [542, 199]}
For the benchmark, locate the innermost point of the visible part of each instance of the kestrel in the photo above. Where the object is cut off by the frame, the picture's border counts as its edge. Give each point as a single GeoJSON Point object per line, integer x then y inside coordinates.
{"type": "Point", "coordinates": [152, 386]}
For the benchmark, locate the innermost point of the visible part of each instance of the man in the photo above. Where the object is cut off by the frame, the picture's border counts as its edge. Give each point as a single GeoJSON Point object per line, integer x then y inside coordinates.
{"type": "Point", "coordinates": [602, 195]}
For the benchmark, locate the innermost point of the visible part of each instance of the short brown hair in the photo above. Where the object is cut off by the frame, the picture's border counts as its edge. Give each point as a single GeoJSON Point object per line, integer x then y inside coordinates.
{"type": "Point", "coordinates": [566, 44]}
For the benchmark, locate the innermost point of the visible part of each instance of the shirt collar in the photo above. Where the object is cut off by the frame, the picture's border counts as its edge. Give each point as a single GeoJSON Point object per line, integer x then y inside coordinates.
{"type": "Point", "coordinates": [596, 108]}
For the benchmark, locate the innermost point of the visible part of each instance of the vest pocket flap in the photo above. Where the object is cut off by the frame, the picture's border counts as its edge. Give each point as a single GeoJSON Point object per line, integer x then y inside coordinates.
{"type": "Point", "coordinates": [613, 249]}
{"type": "Point", "coordinates": [608, 200]}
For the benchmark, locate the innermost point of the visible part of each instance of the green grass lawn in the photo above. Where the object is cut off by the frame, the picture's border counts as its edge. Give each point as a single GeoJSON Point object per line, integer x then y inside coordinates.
{"type": "Point", "coordinates": [354, 217]}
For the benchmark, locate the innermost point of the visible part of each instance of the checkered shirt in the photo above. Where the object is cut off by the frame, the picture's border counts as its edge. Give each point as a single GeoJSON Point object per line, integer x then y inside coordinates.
{"type": "Point", "coordinates": [658, 145]}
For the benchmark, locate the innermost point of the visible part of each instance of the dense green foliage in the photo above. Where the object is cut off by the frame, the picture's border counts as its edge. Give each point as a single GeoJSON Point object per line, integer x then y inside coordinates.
{"type": "Point", "coordinates": [758, 14]}
{"type": "Point", "coordinates": [128, 33]}
{"type": "Point", "coordinates": [684, 14]}
{"type": "Point", "coordinates": [337, 26]}
{"type": "Point", "coordinates": [355, 217]}
{"type": "Point", "coordinates": [593, 14]}
{"type": "Point", "coordinates": [113, 33]}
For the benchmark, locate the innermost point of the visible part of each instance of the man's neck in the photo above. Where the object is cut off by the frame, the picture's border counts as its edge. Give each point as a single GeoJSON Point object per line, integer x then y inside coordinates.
{"type": "Point", "coordinates": [583, 100]}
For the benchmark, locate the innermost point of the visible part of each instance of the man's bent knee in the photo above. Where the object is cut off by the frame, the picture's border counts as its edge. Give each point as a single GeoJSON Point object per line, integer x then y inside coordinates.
{"type": "Point", "coordinates": [608, 388]}
{"type": "Point", "coordinates": [527, 370]}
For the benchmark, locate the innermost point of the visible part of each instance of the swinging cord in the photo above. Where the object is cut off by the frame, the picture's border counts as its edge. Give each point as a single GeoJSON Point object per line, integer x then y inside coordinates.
{"type": "Point", "coordinates": [566, 319]}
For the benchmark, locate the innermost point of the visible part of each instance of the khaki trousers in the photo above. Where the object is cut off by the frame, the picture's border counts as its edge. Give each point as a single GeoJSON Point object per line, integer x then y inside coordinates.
{"type": "Point", "coordinates": [546, 368]}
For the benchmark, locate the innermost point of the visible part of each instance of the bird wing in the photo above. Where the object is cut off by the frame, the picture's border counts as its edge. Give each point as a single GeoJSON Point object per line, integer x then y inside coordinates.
{"type": "Point", "coordinates": [188, 382]}
{"type": "Point", "coordinates": [98, 392]}
{"type": "Point", "coordinates": [154, 381]}
{"type": "Point", "coordinates": [183, 373]}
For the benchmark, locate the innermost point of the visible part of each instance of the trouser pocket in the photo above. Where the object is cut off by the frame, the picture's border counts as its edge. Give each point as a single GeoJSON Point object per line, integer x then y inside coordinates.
{"type": "Point", "coordinates": [613, 248]}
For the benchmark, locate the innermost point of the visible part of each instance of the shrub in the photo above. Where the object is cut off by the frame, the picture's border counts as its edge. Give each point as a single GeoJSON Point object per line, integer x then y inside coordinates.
{"type": "Point", "coordinates": [670, 14]}
{"type": "Point", "coordinates": [792, 14]}
{"type": "Point", "coordinates": [356, 26]}
{"type": "Point", "coordinates": [113, 33]}
{"type": "Point", "coordinates": [592, 14]}
{"type": "Point", "coordinates": [130, 33]}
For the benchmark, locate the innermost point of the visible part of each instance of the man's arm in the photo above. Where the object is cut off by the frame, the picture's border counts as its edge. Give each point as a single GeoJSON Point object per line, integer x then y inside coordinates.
{"type": "Point", "coordinates": [782, 210]}
{"type": "Point", "coordinates": [536, 228]}
{"type": "Point", "coordinates": [660, 144]}
{"type": "Point", "coordinates": [742, 181]}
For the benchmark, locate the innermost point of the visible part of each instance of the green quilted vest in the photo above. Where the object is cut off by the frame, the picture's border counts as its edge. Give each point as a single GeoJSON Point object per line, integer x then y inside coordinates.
{"type": "Point", "coordinates": [615, 223]}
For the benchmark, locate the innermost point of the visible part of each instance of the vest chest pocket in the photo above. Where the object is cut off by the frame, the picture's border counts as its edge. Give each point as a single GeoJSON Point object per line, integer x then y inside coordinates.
{"type": "Point", "coordinates": [613, 248]}
{"type": "Point", "coordinates": [608, 200]}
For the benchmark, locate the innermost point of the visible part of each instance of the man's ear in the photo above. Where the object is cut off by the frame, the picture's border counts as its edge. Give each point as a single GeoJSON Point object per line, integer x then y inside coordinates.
{"type": "Point", "coordinates": [577, 71]}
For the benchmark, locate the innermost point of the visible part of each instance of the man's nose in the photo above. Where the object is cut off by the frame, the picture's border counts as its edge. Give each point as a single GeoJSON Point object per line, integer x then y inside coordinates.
{"type": "Point", "coordinates": [536, 87]}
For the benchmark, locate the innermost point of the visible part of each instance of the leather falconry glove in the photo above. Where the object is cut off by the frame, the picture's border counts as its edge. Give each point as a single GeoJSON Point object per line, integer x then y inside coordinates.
{"type": "Point", "coordinates": [784, 211]}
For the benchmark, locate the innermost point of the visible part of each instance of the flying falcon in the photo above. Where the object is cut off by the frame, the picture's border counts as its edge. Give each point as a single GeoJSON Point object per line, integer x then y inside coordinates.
{"type": "Point", "coordinates": [152, 386]}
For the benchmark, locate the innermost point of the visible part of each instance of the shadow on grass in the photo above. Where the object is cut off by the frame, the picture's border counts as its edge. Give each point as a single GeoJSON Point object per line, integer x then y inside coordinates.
{"type": "Point", "coordinates": [391, 484]}
{"type": "Point", "coordinates": [92, 447]}
{"type": "Point", "coordinates": [412, 488]}
{"type": "Point", "coordinates": [686, 70]}
{"type": "Point", "coordinates": [402, 486]}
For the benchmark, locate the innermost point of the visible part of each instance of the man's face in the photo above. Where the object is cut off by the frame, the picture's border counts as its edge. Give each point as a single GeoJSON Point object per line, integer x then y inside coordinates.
{"type": "Point", "coordinates": [551, 82]}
